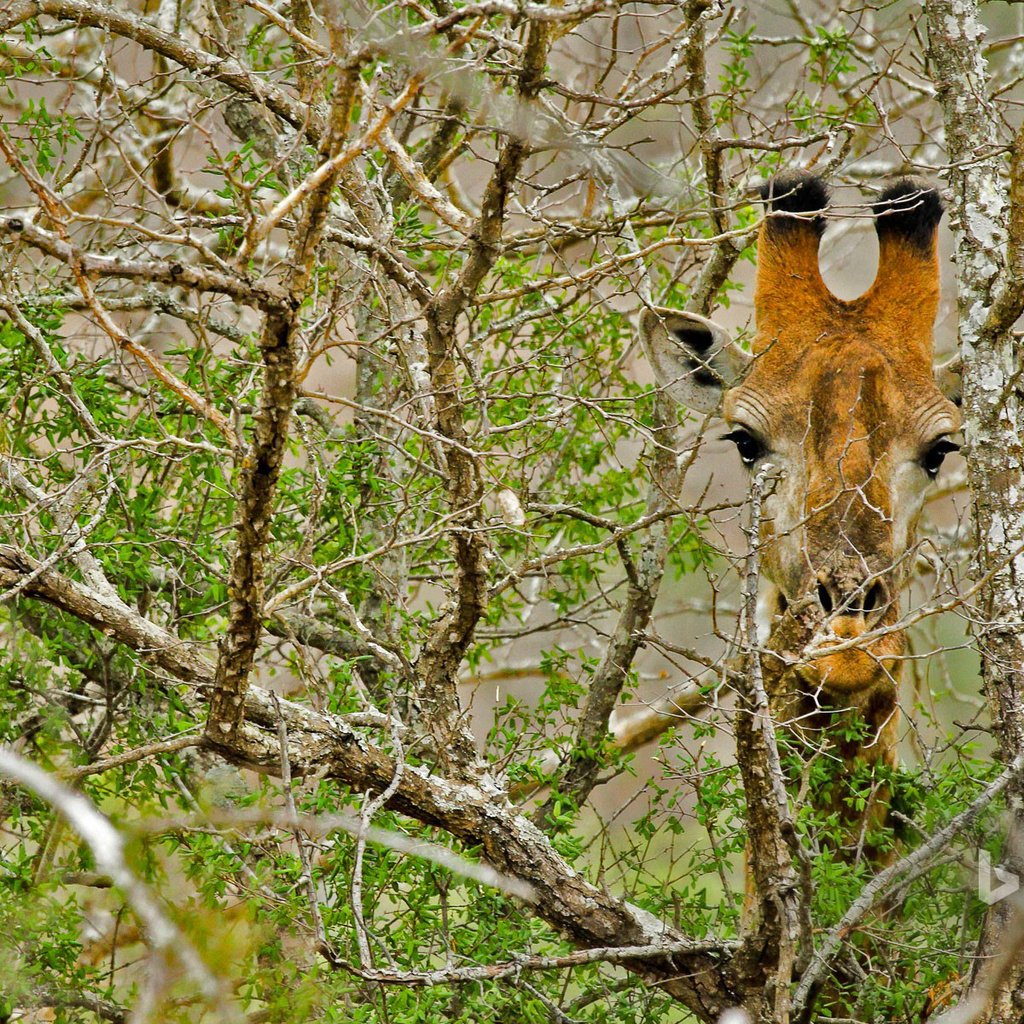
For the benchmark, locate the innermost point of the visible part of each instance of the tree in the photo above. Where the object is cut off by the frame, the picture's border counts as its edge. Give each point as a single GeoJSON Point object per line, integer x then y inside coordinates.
{"type": "Point", "coordinates": [325, 418]}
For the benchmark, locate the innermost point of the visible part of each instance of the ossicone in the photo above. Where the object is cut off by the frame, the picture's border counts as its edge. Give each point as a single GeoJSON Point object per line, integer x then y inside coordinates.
{"type": "Point", "coordinates": [789, 284]}
{"type": "Point", "coordinates": [902, 303]}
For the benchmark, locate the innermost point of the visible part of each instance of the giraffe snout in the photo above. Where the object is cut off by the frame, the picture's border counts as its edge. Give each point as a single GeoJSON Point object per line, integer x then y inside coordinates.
{"type": "Point", "coordinates": [852, 607]}
{"type": "Point", "coordinates": [855, 602]}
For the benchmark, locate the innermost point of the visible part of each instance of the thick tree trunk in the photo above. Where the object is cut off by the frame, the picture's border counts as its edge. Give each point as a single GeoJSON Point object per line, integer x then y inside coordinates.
{"type": "Point", "coordinates": [990, 296]}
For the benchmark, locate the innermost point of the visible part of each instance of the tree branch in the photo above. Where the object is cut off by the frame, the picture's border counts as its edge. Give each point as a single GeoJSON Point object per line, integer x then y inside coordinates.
{"type": "Point", "coordinates": [444, 649]}
{"type": "Point", "coordinates": [107, 846]}
{"type": "Point", "coordinates": [117, 21]}
{"type": "Point", "coordinates": [262, 465]}
{"type": "Point", "coordinates": [477, 815]}
{"type": "Point", "coordinates": [266, 296]}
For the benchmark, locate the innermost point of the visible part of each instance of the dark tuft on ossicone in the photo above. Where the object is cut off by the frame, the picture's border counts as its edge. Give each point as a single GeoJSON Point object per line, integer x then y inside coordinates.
{"type": "Point", "coordinates": [910, 209]}
{"type": "Point", "coordinates": [796, 192]}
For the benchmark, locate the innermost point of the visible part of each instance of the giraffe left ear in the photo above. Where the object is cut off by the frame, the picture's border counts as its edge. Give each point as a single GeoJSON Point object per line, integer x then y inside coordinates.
{"type": "Point", "coordinates": [948, 378]}
{"type": "Point", "coordinates": [693, 358]}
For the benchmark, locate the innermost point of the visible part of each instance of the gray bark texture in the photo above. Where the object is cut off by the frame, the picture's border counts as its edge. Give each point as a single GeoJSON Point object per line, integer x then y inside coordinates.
{"type": "Point", "coordinates": [987, 216]}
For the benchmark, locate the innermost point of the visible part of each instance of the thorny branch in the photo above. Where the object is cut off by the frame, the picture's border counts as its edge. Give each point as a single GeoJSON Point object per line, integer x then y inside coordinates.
{"type": "Point", "coordinates": [668, 471]}
{"type": "Point", "coordinates": [107, 845]}
{"type": "Point", "coordinates": [445, 649]}
{"type": "Point", "coordinates": [772, 947]}
{"type": "Point", "coordinates": [261, 466]}
{"type": "Point", "coordinates": [479, 817]}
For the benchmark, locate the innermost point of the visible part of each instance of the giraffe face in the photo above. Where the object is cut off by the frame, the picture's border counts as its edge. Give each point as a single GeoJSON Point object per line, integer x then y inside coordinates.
{"type": "Point", "coordinates": [849, 442]}
{"type": "Point", "coordinates": [837, 408]}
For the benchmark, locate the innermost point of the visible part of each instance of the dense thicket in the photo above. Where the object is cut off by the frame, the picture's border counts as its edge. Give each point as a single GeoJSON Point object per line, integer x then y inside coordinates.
{"type": "Point", "coordinates": [356, 572]}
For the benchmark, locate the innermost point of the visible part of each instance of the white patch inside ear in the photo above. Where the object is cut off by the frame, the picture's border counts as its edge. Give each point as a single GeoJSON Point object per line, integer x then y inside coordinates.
{"type": "Point", "coordinates": [693, 358]}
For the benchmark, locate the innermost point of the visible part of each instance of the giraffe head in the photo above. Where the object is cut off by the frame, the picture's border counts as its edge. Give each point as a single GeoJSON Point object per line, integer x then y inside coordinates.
{"type": "Point", "coordinates": [838, 404]}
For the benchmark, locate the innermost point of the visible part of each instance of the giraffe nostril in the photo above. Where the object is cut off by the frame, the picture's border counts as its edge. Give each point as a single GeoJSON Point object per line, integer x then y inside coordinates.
{"type": "Point", "coordinates": [874, 598]}
{"type": "Point", "coordinates": [825, 599]}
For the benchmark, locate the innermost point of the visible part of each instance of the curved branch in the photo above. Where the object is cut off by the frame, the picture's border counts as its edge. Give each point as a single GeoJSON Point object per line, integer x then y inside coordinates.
{"type": "Point", "coordinates": [170, 272]}
{"type": "Point", "coordinates": [990, 298]}
{"type": "Point", "coordinates": [261, 467]}
{"type": "Point", "coordinates": [107, 847]}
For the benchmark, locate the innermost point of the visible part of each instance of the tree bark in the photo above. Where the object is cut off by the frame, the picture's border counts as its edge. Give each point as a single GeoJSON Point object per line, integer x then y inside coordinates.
{"type": "Point", "coordinates": [989, 300]}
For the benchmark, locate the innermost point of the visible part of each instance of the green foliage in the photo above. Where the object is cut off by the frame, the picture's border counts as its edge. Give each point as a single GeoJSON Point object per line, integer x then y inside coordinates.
{"type": "Point", "coordinates": [560, 421]}
{"type": "Point", "coordinates": [735, 74]}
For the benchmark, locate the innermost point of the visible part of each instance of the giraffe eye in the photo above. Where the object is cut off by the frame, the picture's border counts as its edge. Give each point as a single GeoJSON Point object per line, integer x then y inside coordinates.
{"type": "Point", "coordinates": [932, 458]}
{"type": "Point", "coordinates": [749, 447]}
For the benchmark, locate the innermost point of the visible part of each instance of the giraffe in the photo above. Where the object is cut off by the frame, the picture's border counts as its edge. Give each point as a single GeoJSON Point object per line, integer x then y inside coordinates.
{"type": "Point", "coordinates": [838, 406]}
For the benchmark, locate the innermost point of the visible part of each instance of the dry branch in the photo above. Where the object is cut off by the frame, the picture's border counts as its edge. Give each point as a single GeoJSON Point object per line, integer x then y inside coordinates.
{"type": "Point", "coordinates": [107, 845]}
{"type": "Point", "coordinates": [262, 464]}
{"type": "Point", "coordinates": [450, 638]}
{"type": "Point", "coordinates": [479, 815]}
{"type": "Point", "coordinates": [119, 22]}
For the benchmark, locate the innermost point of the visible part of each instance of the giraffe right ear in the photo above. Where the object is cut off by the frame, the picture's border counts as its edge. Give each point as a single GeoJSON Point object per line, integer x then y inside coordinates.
{"type": "Point", "coordinates": [693, 358]}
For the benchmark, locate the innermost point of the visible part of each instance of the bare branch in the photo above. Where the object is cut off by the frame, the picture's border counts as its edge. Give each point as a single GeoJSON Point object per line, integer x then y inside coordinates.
{"type": "Point", "coordinates": [450, 638]}
{"type": "Point", "coordinates": [989, 302]}
{"type": "Point", "coordinates": [885, 881]}
{"type": "Point", "coordinates": [118, 21]}
{"type": "Point", "coordinates": [479, 817]}
{"type": "Point", "coordinates": [20, 230]}
{"type": "Point", "coordinates": [262, 465]}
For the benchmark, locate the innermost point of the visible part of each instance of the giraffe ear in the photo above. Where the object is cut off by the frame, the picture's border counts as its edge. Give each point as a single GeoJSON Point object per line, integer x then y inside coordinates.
{"type": "Point", "coordinates": [948, 378]}
{"type": "Point", "coordinates": [693, 358]}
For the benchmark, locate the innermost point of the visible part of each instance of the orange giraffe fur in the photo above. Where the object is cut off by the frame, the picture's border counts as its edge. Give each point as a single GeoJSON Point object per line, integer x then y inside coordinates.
{"type": "Point", "coordinates": [839, 407]}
